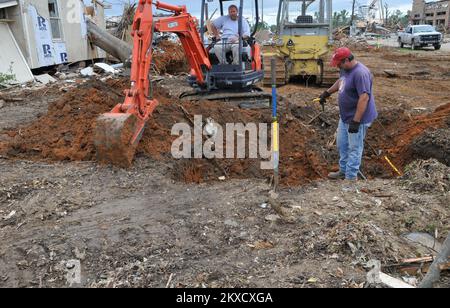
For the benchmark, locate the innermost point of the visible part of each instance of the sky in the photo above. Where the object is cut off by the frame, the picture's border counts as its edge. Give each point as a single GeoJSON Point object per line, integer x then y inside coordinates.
{"type": "Point", "coordinates": [270, 6]}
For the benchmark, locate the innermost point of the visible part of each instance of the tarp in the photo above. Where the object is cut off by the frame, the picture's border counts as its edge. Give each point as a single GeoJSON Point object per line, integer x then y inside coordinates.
{"type": "Point", "coordinates": [48, 52]}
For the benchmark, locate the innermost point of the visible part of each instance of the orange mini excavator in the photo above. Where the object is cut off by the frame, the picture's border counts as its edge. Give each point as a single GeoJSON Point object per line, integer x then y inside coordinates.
{"type": "Point", "coordinates": [118, 132]}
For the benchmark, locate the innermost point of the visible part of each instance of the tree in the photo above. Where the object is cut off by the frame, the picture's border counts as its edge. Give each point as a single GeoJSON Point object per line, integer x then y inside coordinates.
{"type": "Point", "coordinates": [341, 18]}
{"type": "Point", "coordinates": [387, 13]}
{"type": "Point", "coordinates": [108, 42]}
{"type": "Point", "coordinates": [398, 18]}
{"type": "Point", "coordinates": [273, 28]}
{"type": "Point", "coordinates": [263, 26]}
{"type": "Point", "coordinates": [344, 16]}
{"type": "Point", "coordinates": [316, 16]}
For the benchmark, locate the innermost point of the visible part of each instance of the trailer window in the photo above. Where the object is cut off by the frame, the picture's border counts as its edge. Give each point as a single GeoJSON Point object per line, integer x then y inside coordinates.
{"type": "Point", "coordinates": [3, 14]}
{"type": "Point", "coordinates": [55, 20]}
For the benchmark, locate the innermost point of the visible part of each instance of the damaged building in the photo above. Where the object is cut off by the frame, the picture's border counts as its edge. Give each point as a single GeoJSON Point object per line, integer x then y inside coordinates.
{"type": "Point", "coordinates": [43, 33]}
{"type": "Point", "coordinates": [436, 13]}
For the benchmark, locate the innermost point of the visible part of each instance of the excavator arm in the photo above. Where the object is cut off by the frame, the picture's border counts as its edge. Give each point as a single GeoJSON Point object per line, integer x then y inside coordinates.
{"type": "Point", "coordinates": [118, 132]}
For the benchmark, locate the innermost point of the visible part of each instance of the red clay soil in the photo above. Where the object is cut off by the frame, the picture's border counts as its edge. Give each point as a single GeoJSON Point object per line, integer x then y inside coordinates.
{"type": "Point", "coordinates": [396, 130]}
{"type": "Point", "coordinates": [65, 133]}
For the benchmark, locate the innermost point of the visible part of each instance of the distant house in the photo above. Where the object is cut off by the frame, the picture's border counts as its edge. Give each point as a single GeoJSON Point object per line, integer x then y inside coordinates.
{"type": "Point", "coordinates": [42, 33]}
{"type": "Point", "coordinates": [435, 13]}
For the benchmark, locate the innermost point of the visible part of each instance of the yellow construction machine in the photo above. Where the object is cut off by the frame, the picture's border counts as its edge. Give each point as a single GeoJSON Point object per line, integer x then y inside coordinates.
{"type": "Point", "coordinates": [302, 42]}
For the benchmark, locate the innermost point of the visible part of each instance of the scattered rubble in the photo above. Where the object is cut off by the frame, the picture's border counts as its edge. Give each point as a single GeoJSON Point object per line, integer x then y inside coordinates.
{"type": "Point", "coordinates": [427, 176]}
{"type": "Point", "coordinates": [45, 79]}
{"type": "Point", "coordinates": [146, 227]}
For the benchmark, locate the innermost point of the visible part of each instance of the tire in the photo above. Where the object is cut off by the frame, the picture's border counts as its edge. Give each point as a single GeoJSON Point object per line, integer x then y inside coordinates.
{"type": "Point", "coordinates": [437, 47]}
{"type": "Point", "coordinates": [400, 44]}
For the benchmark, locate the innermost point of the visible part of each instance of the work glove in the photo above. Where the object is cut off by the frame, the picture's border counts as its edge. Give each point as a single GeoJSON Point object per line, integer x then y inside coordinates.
{"type": "Point", "coordinates": [323, 99]}
{"type": "Point", "coordinates": [354, 127]}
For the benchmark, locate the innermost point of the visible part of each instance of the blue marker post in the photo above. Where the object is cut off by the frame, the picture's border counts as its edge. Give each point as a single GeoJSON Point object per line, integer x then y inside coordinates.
{"type": "Point", "coordinates": [275, 127]}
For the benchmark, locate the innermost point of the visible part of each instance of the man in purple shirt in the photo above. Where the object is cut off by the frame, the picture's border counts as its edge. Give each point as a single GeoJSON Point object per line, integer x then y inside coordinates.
{"type": "Point", "coordinates": [357, 112]}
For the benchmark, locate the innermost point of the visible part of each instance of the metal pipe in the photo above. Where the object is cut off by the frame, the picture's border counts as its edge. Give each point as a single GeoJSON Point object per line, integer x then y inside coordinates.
{"type": "Point", "coordinates": [202, 22]}
{"type": "Point", "coordinates": [257, 18]}
{"type": "Point", "coordinates": [275, 126]}
{"type": "Point", "coordinates": [330, 20]}
{"type": "Point", "coordinates": [241, 16]}
{"type": "Point", "coordinates": [280, 7]}
{"type": "Point", "coordinates": [322, 12]}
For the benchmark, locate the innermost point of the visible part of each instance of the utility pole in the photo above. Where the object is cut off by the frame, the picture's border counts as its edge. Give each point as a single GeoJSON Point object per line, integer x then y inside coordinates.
{"type": "Point", "coordinates": [262, 12]}
{"type": "Point", "coordinates": [353, 13]}
{"type": "Point", "coordinates": [322, 11]}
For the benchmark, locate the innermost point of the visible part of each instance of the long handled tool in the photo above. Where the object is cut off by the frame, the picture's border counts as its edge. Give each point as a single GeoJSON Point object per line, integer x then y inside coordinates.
{"type": "Point", "coordinates": [318, 100]}
{"type": "Point", "coordinates": [275, 126]}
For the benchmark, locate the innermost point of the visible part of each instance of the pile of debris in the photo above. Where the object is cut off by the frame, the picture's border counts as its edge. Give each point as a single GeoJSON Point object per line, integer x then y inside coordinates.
{"type": "Point", "coordinates": [427, 176]}
{"type": "Point", "coordinates": [354, 43]}
{"type": "Point", "coordinates": [169, 58]}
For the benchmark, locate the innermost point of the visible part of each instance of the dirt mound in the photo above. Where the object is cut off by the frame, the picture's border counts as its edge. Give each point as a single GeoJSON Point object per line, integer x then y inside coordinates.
{"type": "Point", "coordinates": [65, 132]}
{"type": "Point", "coordinates": [395, 131]}
{"type": "Point", "coordinates": [433, 144]}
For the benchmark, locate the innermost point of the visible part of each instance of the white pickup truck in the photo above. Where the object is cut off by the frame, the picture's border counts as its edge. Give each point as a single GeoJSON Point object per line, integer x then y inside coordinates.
{"type": "Point", "coordinates": [420, 36]}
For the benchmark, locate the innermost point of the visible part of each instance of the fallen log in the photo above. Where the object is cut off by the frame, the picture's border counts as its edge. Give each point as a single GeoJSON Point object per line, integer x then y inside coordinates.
{"type": "Point", "coordinates": [108, 42]}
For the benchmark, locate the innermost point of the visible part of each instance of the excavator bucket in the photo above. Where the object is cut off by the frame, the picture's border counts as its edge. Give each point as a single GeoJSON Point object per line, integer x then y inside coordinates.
{"type": "Point", "coordinates": [116, 138]}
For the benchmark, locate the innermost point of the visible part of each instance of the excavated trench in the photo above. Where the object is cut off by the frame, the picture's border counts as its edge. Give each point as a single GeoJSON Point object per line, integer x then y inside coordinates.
{"type": "Point", "coordinates": [65, 133]}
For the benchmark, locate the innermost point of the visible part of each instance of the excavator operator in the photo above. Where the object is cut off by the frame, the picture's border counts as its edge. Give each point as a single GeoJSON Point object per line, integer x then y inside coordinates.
{"type": "Point", "coordinates": [229, 25]}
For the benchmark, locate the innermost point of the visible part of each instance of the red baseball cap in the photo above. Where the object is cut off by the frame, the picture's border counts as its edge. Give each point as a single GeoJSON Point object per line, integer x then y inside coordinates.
{"type": "Point", "coordinates": [339, 55]}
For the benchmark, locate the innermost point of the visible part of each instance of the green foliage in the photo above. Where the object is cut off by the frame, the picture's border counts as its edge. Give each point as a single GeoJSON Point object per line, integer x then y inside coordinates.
{"type": "Point", "coordinates": [273, 28]}
{"type": "Point", "coordinates": [341, 18]}
{"type": "Point", "coordinates": [263, 26]}
{"type": "Point", "coordinates": [398, 18]}
{"type": "Point", "coordinates": [8, 77]}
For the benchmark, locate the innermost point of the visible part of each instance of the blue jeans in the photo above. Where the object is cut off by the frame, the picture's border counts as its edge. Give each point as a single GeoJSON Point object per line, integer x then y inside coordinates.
{"type": "Point", "coordinates": [351, 148]}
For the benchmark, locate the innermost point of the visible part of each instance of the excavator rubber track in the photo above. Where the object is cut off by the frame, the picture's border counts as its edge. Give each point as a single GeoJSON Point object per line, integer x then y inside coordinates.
{"type": "Point", "coordinates": [116, 137]}
{"type": "Point", "coordinates": [252, 99]}
{"type": "Point", "coordinates": [281, 73]}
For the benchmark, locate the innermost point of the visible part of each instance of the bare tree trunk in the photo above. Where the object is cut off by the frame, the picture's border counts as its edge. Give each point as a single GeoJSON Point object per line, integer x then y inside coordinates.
{"type": "Point", "coordinates": [108, 42]}
{"type": "Point", "coordinates": [434, 272]}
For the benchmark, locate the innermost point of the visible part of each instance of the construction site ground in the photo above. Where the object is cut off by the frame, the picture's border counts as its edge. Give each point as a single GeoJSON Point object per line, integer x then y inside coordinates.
{"type": "Point", "coordinates": [208, 223]}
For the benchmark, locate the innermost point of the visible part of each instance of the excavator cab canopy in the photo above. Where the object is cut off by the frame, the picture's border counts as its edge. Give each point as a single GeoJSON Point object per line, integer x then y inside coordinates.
{"type": "Point", "coordinates": [295, 17]}
{"type": "Point", "coordinates": [248, 71]}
